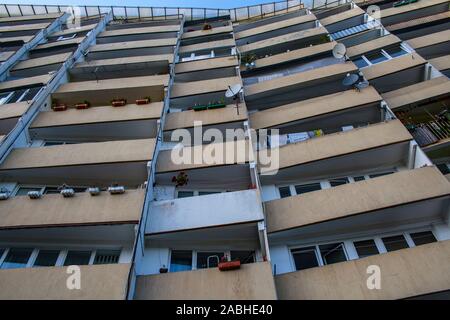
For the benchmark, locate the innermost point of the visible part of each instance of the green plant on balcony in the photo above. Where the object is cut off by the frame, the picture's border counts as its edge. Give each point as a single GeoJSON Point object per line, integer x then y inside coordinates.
{"type": "Point", "coordinates": [180, 180]}
{"type": "Point", "coordinates": [217, 104]}
{"type": "Point", "coordinates": [403, 2]}
{"type": "Point", "coordinates": [323, 39]}
{"type": "Point", "coordinates": [248, 59]}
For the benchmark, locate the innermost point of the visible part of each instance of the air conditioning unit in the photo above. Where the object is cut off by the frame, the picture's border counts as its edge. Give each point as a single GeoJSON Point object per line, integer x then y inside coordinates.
{"type": "Point", "coordinates": [67, 192]}
{"type": "Point", "coordinates": [116, 189]}
{"type": "Point", "coordinates": [34, 194]}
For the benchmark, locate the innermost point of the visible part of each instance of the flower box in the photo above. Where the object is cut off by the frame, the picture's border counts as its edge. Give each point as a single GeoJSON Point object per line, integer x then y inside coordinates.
{"type": "Point", "coordinates": [229, 265]}
{"type": "Point", "coordinates": [216, 106]}
{"type": "Point", "coordinates": [81, 106]}
{"type": "Point", "coordinates": [119, 103]}
{"type": "Point", "coordinates": [200, 108]}
{"type": "Point", "coordinates": [142, 101]}
{"type": "Point", "coordinates": [59, 107]}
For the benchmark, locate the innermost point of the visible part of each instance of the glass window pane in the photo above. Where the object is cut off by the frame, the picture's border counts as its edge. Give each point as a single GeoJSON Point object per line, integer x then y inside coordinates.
{"type": "Point", "coordinates": [332, 253]}
{"type": "Point", "coordinates": [425, 237]}
{"type": "Point", "coordinates": [180, 260]}
{"type": "Point", "coordinates": [284, 192]}
{"type": "Point", "coordinates": [360, 63]}
{"type": "Point", "coordinates": [1, 252]}
{"type": "Point", "coordinates": [185, 194]}
{"type": "Point", "coordinates": [204, 193]}
{"type": "Point", "coordinates": [376, 57]}
{"type": "Point", "coordinates": [77, 258]}
{"type": "Point", "coordinates": [395, 243]}
{"type": "Point", "coordinates": [395, 51]}
{"type": "Point", "coordinates": [23, 191]}
{"type": "Point", "coordinates": [380, 174]}
{"type": "Point", "coordinates": [359, 178]}
{"type": "Point", "coordinates": [366, 248]}
{"type": "Point", "coordinates": [243, 256]}
{"type": "Point", "coordinates": [46, 258]}
{"type": "Point", "coordinates": [107, 256]}
{"type": "Point", "coordinates": [305, 188]}
{"type": "Point", "coordinates": [338, 181]}
{"type": "Point", "coordinates": [202, 259]}
{"type": "Point", "coordinates": [305, 258]}
{"type": "Point", "coordinates": [16, 258]}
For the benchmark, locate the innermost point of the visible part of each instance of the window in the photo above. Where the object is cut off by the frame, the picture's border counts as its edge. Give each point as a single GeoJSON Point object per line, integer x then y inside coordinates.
{"type": "Point", "coordinates": [284, 192]}
{"type": "Point", "coordinates": [185, 194]}
{"type": "Point", "coordinates": [359, 178]}
{"type": "Point", "coordinates": [360, 62]}
{"type": "Point", "coordinates": [4, 97]}
{"type": "Point", "coordinates": [16, 258]}
{"type": "Point", "coordinates": [305, 188]}
{"type": "Point", "coordinates": [376, 57]}
{"type": "Point", "coordinates": [395, 243]}
{"type": "Point", "coordinates": [305, 258]}
{"type": "Point", "coordinates": [420, 238]}
{"type": "Point", "coordinates": [332, 253]}
{"type": "Point", "coordinates": [78, 258]}
{"type": "Point", "coordinates": [243, 256]}
{"type": "Point", "coordinates": [338, 181]}
{"type": "Point", "coordinates": [208, 259]}
{"type": "Point", "coordinates": [444, 168]}
{"type": "Point", "coordinates": [379, 174]}
{"type": "Point", "coordinates": [180, 260]}
{"type": "Point", "coordinates": [366, 248]}
{"type": "Point", "coordinates": [62, 38]}
{"type": "Point", "coordinates": [107, 256]}
{"type": "Point", "coordinates": [1, 253]}
{"type": "Point", "coordinates": [23, 191]}
{"type": "Point", "coordinates": [395, 51]}
{"type": "Point", "coordinates": [204, 193]}
{"type": "Point", "coordinates": [53, 143]}
{"type": "Point", "coordinates": [46, 258]}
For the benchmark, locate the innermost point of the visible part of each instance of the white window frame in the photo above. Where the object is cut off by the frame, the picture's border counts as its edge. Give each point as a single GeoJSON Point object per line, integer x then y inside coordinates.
{"type": "Point", "coordinates": [63, 38]}
{"type": "Point", "coordinates": [317, 249]}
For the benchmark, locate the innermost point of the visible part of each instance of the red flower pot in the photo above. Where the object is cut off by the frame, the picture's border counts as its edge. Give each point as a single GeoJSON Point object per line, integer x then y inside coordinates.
{"type": "Point", "coordinates": [81, 106]}
{"type": "Point", "coordinates": [59, 107]}
{"type": "Point", "coordinates": [142, 101]}
{"type": "Point", "coordinates": [118, 103]}
{"type": "Point", "coordinates": [229, 265]}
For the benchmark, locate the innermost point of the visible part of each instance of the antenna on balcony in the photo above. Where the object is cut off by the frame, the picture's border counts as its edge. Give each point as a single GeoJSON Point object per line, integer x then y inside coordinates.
{"type": "Point", "coordinates": [234, 92]}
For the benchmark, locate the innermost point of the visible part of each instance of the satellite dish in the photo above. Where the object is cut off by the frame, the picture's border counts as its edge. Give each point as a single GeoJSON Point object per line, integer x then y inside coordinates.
{"type": "Point", "coordinates": [350, 79]}
{"type": "Point", "coordinates": [339, 51]}
{"type": "Point", "coordinates": [233, 91]}
{"type": "Point", "coordinates": [361, 85]}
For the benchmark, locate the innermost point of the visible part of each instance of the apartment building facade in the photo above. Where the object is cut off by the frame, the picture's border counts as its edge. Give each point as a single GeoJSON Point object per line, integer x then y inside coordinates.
{"type": "Point", "coordinates": [348, 101]}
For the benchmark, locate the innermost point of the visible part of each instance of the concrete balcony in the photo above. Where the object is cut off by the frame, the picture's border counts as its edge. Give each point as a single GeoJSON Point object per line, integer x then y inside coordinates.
{"type": "Point", "coordinates": [106, 282]}
{"type": "Point", "coordinates": [57, 44]}
{"type": "Point", "coordinates": [298, 86]}
{"type": "Point", "coordinates": [418, 93]}
{"type": "Point", "coordinates": [442, 64]}
{"type": "Point", "coordinates": [81, 29]}
{"type": "Point", "coordinates": [10, 113]}
{"type": "Point", "coordinates": [97, 124]}
{"type": "Point", "coordinates": [291, 114]}
{"type": "Point", "coordinates": [396, 73]}
{"type": "Point", "coordinates": [53, 210]}
{"type": "Point", "coordinates": [39, 66]}
{"type": "Point", "coordinates": [206, 64]}
{"type": "Point", "coordinates": [207, 33]}
{"type": "Point", "coordinates": [25, 82]}
{"type": "Point", "coordinates": [139, 30]}
{"type": "Point", "coordinates": [412, 11]}
{"type": "Point", "coordinates": [432, 45]}
{"type": "Point", "coordinates": [251, 281]}
{"type": "Point", "coordinates": [96, 163]}
{"type": "Point", "coordinates": [100, 93]}
{"type": "Point", "coordinates": [6, 55]}
{"type": "Point", "coordinates": [18, 20]}
{"type": "Point", "coordinates": [184, 214]}
{"type": "Point", "coordinates": [332, 146]}
{"type": "Point", "coordinates": [343, 20]}
{"type": "Point", "coordinates": [207, 46]}
{"type": "Point", "coordinates": [404, 273]}
{"type": "Point", "coordinates": [23, 27]}
{"type": "Point", "coordinates": [388, 198]}
{"type": "Point", "coordinates": [378, 43]}
{"type": "Point", "coordinates": [291, 41]}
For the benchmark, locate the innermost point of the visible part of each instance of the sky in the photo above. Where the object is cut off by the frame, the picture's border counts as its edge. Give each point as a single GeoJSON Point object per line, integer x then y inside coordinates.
{"type": "Point", "coordinates": [148, 3]}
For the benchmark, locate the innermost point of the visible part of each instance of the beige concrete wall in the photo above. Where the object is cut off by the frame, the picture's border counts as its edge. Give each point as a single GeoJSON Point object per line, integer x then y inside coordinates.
{"type": "Point", "coordinates": [125, 60]}
{"type": "Point", "coordinates": [275, 25]}
{"type": "Point", "coordinates": [107, 281]}
{"type": "Point", "coordinates": [60, 43]}
{"type": "Point", "coordinates": [82, 209]}
{"type": "Point", "coordinates": [368, 46]}
{"type": "Point", "coordinates": [37, 62]}
{"type": "Point", "coordinates": [207, 45]}
{"type": "Point", "coordinates": [294, 55]}
{"type": "Point", "coordinates": [299, 78]}
{"type": "Point", "coordinates": [383, 192]}
{"type": "Point", "coordinates": [23, 27]}
{"type": "Point", "coordinates": [313, 107]}
{"type": "Point", "coordinates": [13, 110]}
{"type": "Point", "coordinates": [201, 33]}
{"type": "Point", "coordinates": [14, 39]}
{"type": "Point", "coordinates": [43, 79]}
{"type": "Point", "coordinates": [251, 281]}
{"type": "Point", "coordinates": [133, 44]}
{"type": "Point", "coordinates": [243, 152]}
{"type": "Point", "coordinates": [185, 119]}
{"type": "Point", "coordinates": [417, 92]}
{"type": "Point", "coordinates": [407, 61]}
{"type": "Point", "coordinates": [205, 64]}
{"type": "Point", "coordinates": [6, 55]}
{"type": "Point", "coordinates": [441, 63]}
{"type": "Point", "coordinates": [183, 89]}
{"type": "Point", "coordinates": [404, 273]}
{"type": "Point", "coordinates": [357, 11]}
{"type": "Point", "coordinates": [140, 30]}
{"type": "Point", "coordinates": [283, 39]}
{"type": "Point", "coordinates": [82, 153]}
{"type": "Point", "coordinates": [332, 145]}
{"type": "Point", "coordinates": [98, 114]}
{"type": "Point", "coordinates": [430, 39]}
{"type": "Point", "coordinates": [411, 7]}
{"type": "Point", "coordinates": [74, 30]}
{"type": "Point", "coordinates": [31, 17]}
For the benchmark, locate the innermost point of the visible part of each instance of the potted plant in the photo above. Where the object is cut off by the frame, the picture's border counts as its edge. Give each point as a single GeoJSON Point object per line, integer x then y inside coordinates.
{"type": "Point", "coordinates": [181, 179]}
{"type": "Point", "coordinates": [118, 102]}
{"type": "Point", "coordinates": [59, 107]}
{"type": "Point", "coordinates": [198, 107]}
{"type": "Point", "coordinates": [225, 265]}
{"type": "Point", "coordinates": [145, 100]}
{"type": "Point", "coordinates": [82, 105]}
{"type": "Point", "coordinates": [217, 104]}
{"type": "Point", "coordinates": [249, 59]}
